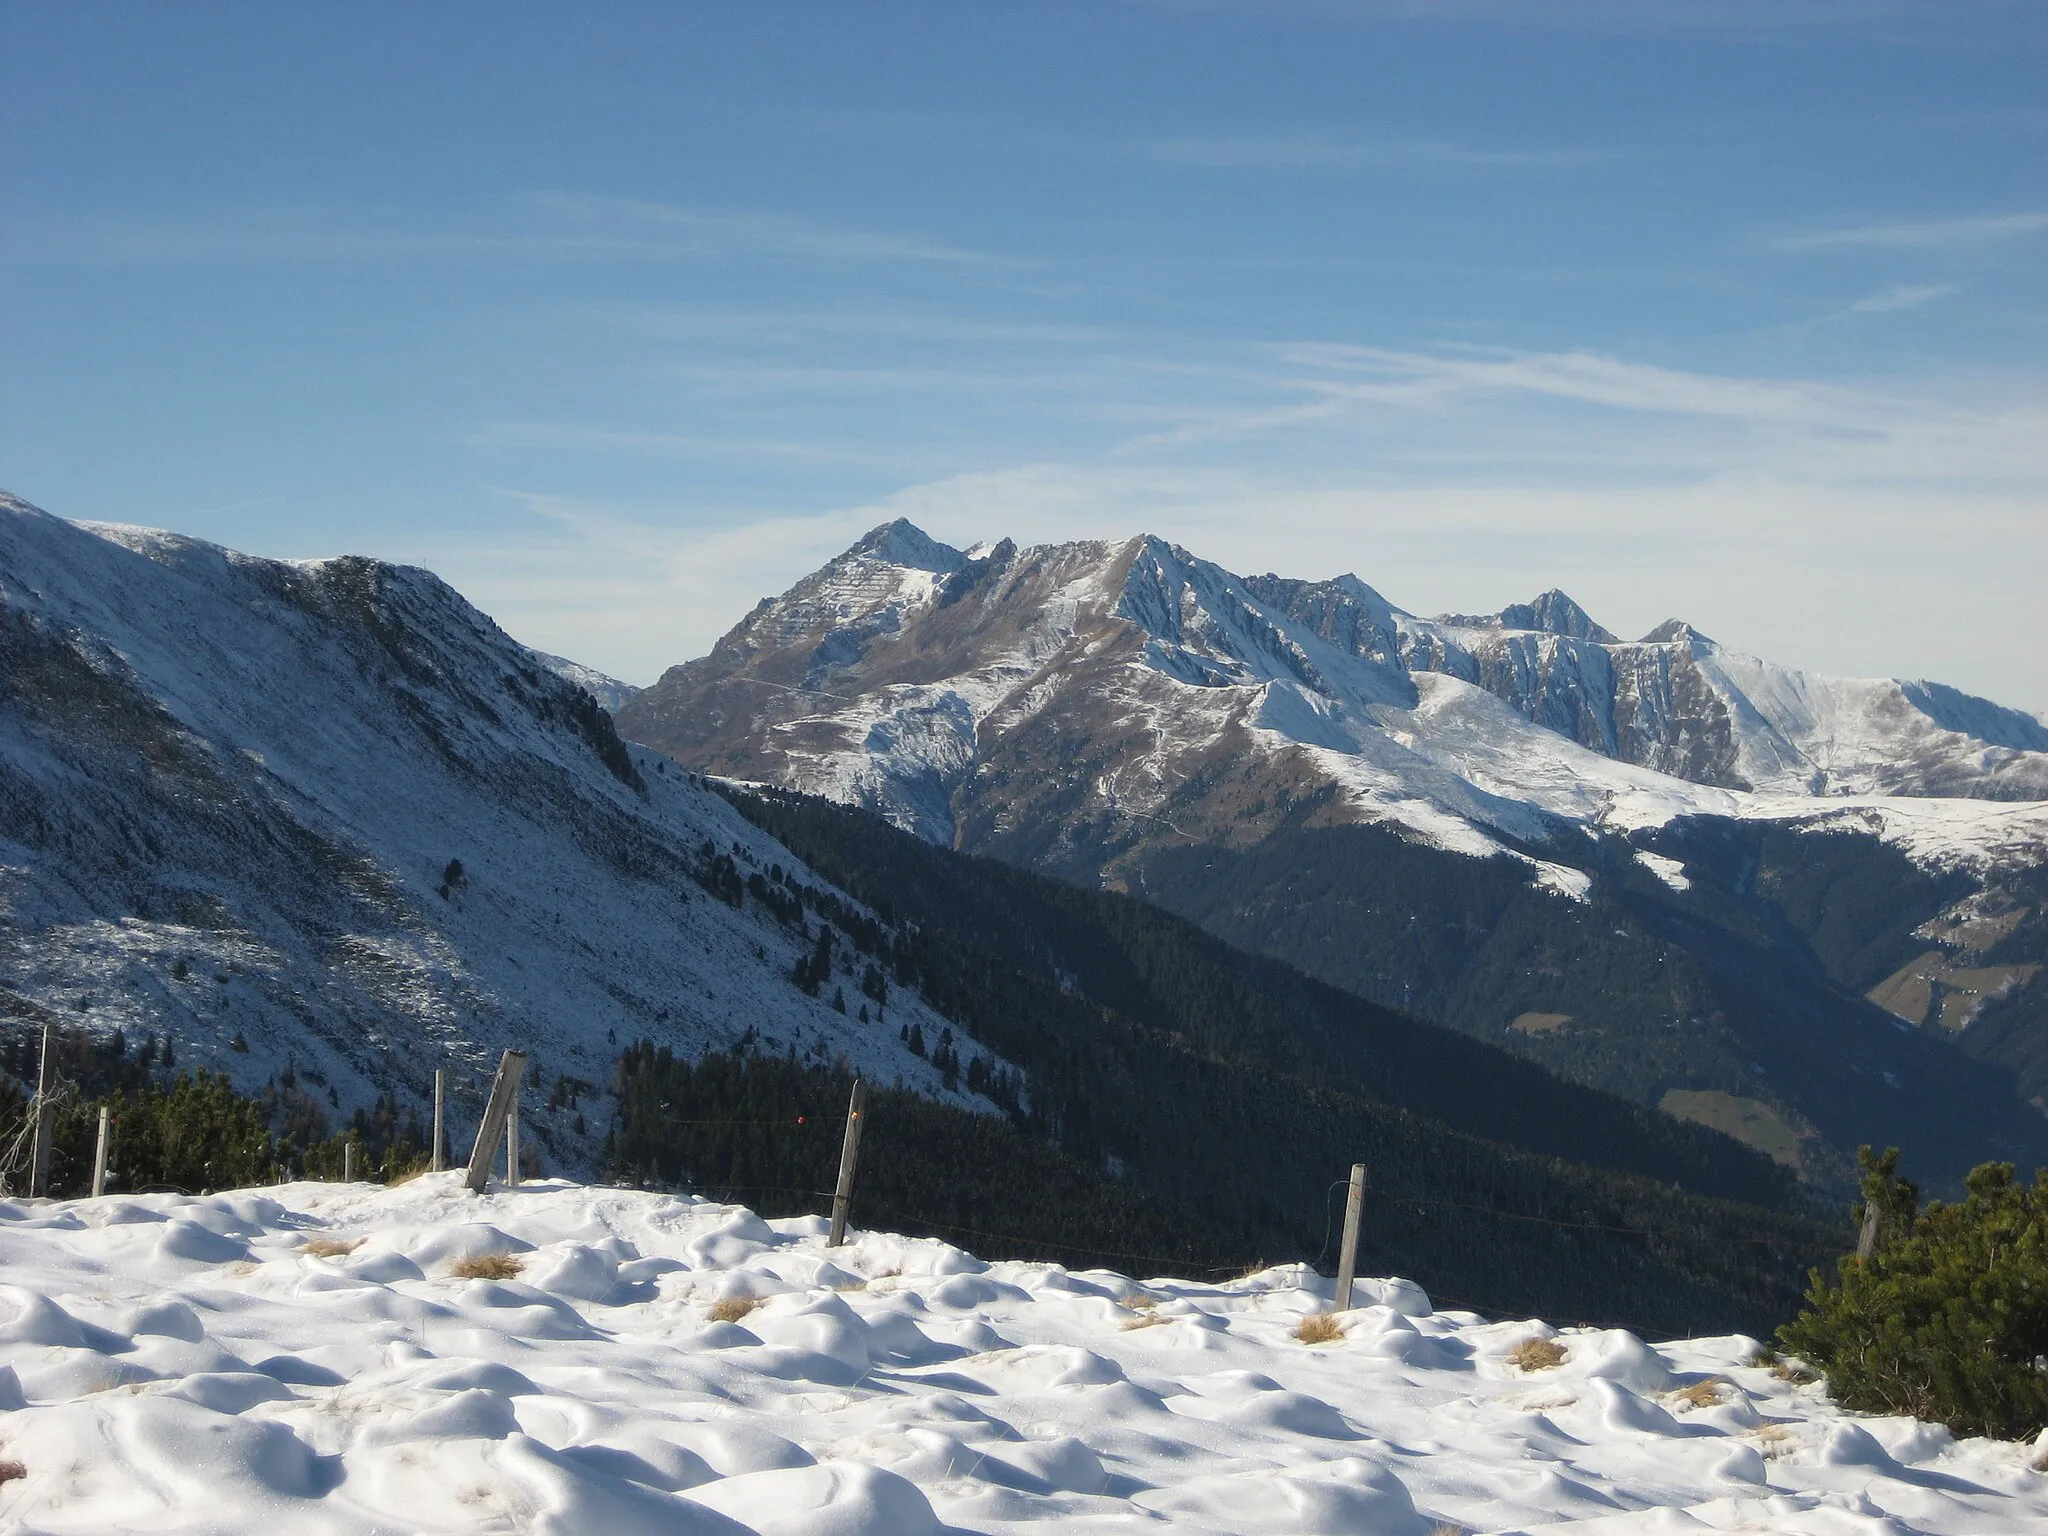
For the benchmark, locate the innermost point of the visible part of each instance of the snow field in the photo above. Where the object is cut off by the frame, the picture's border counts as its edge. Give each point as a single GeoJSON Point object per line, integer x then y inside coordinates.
{"type": "Point", "coordinates": [310, 1358]}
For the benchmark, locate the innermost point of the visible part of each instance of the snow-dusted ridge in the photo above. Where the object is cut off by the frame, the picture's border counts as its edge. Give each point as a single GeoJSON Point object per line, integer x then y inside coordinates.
{"type": "Point", "coordinates": [610, 692]}
{"type": "Point", "coordinates": [233, 792]}
{"type": "Point", "coordinates": [302, 1359]}
{"type": "Point", "coordinates": [952, 693]}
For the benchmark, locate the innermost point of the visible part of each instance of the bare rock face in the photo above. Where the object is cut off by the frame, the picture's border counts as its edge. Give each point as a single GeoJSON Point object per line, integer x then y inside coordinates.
{"type": "Point", "coordinates": [1069, 702]}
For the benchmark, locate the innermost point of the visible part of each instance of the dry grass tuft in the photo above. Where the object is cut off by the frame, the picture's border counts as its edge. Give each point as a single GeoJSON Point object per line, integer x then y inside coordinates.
{"type": "Point", "coordinates": [1319, 1328]}
{"type": "Point", "coordinates": [328, 1247]}
{"type": "Point", "coordinates": [1763, 1356]}
{"type": "Point", "coordinates": [1797, 1374]}
{"type": "Point", "coordinates": [1536, 1355]}
{"type": "Point", "coordinates": [487, 1266]}
{"type": "Point", "coordinates": [10, 1470]}
{"type": "Point", "coordinates": [733, 1308]}
{"type": "Point", "coordinates": [1144, 1320]}
{"type": "Point", "coordinates": [1703, 1394]}
{"type": "Point", "coordinates": [1141, 1302]}
{"type": "Point", "coordinates": [1449, 1528]}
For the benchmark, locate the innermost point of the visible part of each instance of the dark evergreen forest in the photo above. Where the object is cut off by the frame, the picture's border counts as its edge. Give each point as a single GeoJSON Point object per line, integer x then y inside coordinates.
{"type": "Point", "coordinates": [1241, 1176]}
{"type": "Point", "coordinates": [1231, 1090]}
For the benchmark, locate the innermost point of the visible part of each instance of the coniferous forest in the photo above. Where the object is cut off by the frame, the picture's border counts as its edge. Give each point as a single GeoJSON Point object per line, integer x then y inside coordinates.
{"type": "Point", "coordinates": [1211, 1098]}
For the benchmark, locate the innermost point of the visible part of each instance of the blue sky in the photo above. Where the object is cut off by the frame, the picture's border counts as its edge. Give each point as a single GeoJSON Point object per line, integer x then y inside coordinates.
{"type": "Point", "coordinates": [621, 317]}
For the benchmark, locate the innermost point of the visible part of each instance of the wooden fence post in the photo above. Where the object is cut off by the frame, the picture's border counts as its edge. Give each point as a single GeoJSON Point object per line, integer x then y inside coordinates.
{"type": "Point", "coordinates": [39, 1159]}
{"type": "Point", "coordinates": [348, 1160]}
{"type": "Point", "coordinates": [1866, 1240]}
{"type": "Point", "coordinates": [1347, 1258]}
{"type": "Point", "coordinates": [440, 1135]}
{"type": "Point", "coordinates": [849, 1150]}
{"type": "Point", "coordinates": [99, 1154]}
{"type": "Point", "coordinates": [504, 1090]}
{"type": "Point", "coordinates": [512, 1143]}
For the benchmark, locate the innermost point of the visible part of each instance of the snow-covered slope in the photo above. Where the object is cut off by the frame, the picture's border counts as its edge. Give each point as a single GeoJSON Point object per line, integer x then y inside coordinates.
{"type": "Point", "coordinates": [609, 691]}
{"type": "Point", "coordinates": [327, 814]}
{"type": "Point", "coordinates": [1097, 691]}
{"type": "Point", "coordinates": [1678, 702]}
{"type": "Point", "coordinates": [302, 1359]}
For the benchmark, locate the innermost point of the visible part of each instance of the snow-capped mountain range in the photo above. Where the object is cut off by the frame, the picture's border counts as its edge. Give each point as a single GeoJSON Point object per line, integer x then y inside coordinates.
{"type": "Point", "coordinates": [1118, 689]}
{"type": "Point", "coordinates": [326, 814]}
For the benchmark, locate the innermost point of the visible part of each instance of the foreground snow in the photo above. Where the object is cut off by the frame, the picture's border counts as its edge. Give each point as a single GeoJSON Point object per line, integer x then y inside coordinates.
{"type": "Point", "coordinates": [171, 1364]}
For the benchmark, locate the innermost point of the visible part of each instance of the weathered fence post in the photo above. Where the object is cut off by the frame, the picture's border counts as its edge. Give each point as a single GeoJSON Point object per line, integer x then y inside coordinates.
{"type": "Point", "coordinates": [39, 1159]}
{"type": "Point", "coordinates": [348, 1161]}
{"type": "Point", "coordinates": [1347, 1257]}
{"type": "Point", "coordinates": [440, 1101]}
{"type": "Point", "coordinates": [849, 1150]}
{"type": "Point", "coordinates": [504, 1091]}
{"type": "Point", "coordinates": [512, 1142]}
{"type": "Point", "coordinates": [1866, 1240]}
{"type": "Point", "coordinates": [99, 1154]}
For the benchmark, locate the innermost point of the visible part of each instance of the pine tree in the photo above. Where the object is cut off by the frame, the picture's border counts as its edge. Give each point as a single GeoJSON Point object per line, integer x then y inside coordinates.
{"type": "Point", "coordinates": [1948, 1317]}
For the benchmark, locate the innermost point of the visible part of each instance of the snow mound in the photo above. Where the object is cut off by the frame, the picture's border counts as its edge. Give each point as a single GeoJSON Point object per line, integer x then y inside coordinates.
{"type": "Point", "coordinates": [894, 1387]}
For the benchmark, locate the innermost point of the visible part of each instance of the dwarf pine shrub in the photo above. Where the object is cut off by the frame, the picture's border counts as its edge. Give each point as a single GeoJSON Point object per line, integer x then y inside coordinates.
{"type": "Point", "coordinates": [1948, 1319]}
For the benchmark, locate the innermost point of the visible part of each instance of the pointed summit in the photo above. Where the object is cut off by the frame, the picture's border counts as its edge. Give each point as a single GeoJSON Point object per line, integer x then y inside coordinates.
{"type": "Point", "coordinates": [1555, 614]}
{"type": "Point", "coordinates": [904, 543]}
{"type": "Point", "coordinates": [1551, 613]}
{"type": "Point", "coordinates": [1675, 632]}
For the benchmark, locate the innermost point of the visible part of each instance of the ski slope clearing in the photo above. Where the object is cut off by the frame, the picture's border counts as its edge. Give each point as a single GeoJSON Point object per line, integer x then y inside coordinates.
{"type": "Point", "coordinates": [309, 1358]}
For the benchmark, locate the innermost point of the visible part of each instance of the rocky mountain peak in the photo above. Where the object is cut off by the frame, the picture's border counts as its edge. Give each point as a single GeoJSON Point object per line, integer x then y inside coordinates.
{"type": "Point", "coordinates": [1554, 613]}
{"type": "Point", "coordinates": [1549, 613]}
{"type": "Point", "coordinates": [1676, 632]}
{"type": "Point", "coordinates": [1087, 690]}
{"type": "Point", "coordinates": [904, 543]}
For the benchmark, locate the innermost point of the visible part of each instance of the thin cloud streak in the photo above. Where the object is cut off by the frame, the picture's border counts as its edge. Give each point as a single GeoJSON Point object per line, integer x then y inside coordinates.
{"type": "Point", "coordinates": [1901, 296]}
{"type": "Point", "coordinates": [897, 325]}
{"type": "Point", "coordinates": [1937, 233]}
{"type": "Point", "coordinates": [527, 436]}
{"type": "Point", "coordinates": [765, 233]}
{"type": "Point", "coordinates": [561, 226]}
{"type": "Point", "coordinates": [1898, 19]}
{"type": "Point", "coordinates": [1802, 425]}
{"type": "Point", "coordinates": [1314, 151]}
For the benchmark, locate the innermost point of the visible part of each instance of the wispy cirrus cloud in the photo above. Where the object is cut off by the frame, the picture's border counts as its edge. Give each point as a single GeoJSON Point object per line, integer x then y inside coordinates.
{"type": "Point", "coordinates": [528, 436]}
{"type": "Point", "coordinates": [1921, 235]}
{"type": "Point", "coordinates": [1900, 296]}
{"type": "Point", "coordinates": [1316, 151]}
{"type": "Point", "coordinates": [626, 219]}
{"type": "Point", "coordinates": [549, 225]}
{"type": "Point", "coordinates": [1887, 18]}
{"type": "Point", "coordinates": [1421, 378]}
{"type": "Point", "coordinates": [1562, 414]}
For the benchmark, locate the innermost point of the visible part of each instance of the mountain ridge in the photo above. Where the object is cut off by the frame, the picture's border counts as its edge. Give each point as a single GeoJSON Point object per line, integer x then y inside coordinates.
{"type": "Point", "coordinates": [1125, 714]}
{"type": "Point", "coordinates": [925, 695]}
{"type": "Point", "coordinates": [326, 817]}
